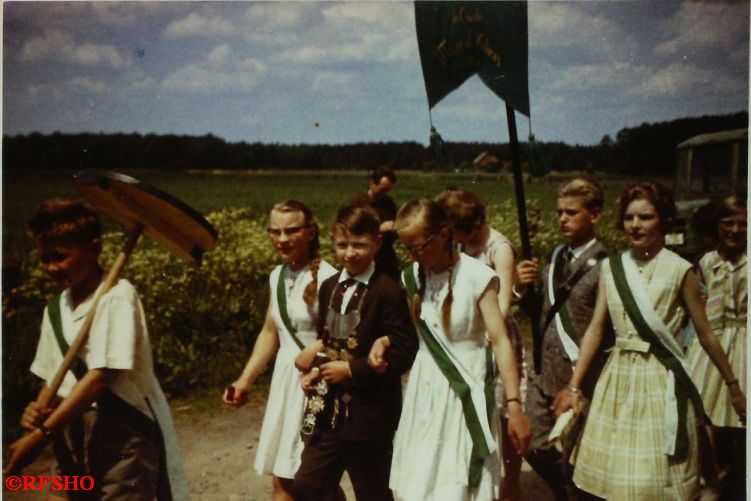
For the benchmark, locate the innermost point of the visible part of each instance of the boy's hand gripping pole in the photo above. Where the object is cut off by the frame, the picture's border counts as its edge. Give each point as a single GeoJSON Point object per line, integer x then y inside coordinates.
{"type": "Point", "coordinates": [50, 391]}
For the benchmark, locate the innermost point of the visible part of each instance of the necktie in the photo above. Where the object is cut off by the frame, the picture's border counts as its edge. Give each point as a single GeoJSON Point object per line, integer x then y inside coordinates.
{"type": "Point", "coordinates": [338, 298]}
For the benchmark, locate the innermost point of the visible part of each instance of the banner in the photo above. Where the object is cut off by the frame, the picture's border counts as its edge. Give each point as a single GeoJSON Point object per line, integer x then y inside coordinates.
{"type": "Point", "coordinates": [458, 39]}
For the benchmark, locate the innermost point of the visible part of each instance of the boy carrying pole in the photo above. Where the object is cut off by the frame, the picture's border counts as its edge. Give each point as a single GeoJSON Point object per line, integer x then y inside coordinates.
{"type": "Point", "coordinates": [568, 296]}
{"type": "Point", "coordinates": [109, 419]}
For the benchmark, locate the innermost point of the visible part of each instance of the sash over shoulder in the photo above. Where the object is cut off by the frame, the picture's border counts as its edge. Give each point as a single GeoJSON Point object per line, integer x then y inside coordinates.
{"type": "Point", "coordinates": [662, 344]}
{"type": "Point", "coordinates": [477, 397]}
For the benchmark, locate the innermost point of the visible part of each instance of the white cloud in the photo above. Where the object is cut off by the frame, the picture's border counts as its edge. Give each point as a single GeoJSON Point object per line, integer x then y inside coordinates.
{"type": "Point", "coordinates": [331, 81]}
{"type": "Point", "coordinates": [218, 72]}
{"type": "Point", "coordinates": [704, 25]}
{"type": "Point", "coordinates": [220, 54]}
{"type": "Point", "coordinates": [567, 24]}
{"type": "Point", "coordinates": [95, 54]}
{"type": "Point", "coordinates": [589, 77]}
{"type": "Point", "coordinates": [284, 16]}
{"type": "Point", "coordinates": [680, 78]}
{"type": "Point", "coordinates": [197, 24]}
{"type": "Point", "coordinates": [41, 47]}
{"type": "Point", "coordinates": [57, 44]}
{"type": "Point", "coordinates": [84, 84]}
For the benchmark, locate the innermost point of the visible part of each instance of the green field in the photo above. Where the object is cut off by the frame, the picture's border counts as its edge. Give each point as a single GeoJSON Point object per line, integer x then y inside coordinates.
{"type": "Point", "coordinates": [207, 191]}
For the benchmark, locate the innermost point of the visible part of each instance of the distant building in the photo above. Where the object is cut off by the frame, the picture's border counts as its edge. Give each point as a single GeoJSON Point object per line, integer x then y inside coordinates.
{"type": "Point", "coordinates": [486, 162]}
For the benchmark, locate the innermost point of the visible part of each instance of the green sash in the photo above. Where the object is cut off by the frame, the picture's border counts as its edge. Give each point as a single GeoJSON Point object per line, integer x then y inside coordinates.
{"type": "Point", "coordinates": [684, 387]}
{"type": "Point", "coordinates": [78, 367]}
{"type": "Point", "coordinates": [564, 314]}
{"type": "Point", "coordinates": [107, 400]}
{"type": "Point", "coordinates": [480, 448]}
{"type": "Point", "coordinates": [281, 301]}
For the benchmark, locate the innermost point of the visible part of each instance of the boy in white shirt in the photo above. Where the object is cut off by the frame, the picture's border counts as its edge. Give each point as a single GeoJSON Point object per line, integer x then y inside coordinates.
{"type": "Point", "coordinates": [109, 419]}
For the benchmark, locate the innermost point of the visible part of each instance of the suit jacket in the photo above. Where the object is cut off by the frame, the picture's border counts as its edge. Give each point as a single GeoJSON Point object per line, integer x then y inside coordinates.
{"type": "Point", "coordinates": [556, 367]}
{"type": "Point", "coordinates": [376, 399]}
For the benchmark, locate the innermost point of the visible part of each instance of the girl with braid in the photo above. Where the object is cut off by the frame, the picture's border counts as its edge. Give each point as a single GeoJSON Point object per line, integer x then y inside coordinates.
{"type": "Point", "coordinates": [446, 443]}
{"type": "Point", "coordinates": [290, 325]}
{"type": "Point", "coordinates": [476, 238]}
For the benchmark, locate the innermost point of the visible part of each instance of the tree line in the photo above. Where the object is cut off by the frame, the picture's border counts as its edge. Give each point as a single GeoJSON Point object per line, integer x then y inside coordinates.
{"type": "Point", "coordinates": [647, 148]}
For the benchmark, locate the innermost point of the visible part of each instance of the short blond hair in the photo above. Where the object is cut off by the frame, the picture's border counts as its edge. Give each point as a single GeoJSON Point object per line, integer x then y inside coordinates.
{"type": "Point", "coordinates": [586, 188]}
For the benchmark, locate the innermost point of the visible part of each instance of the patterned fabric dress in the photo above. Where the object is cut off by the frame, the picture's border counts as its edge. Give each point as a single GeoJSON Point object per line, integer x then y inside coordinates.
{"type": "Point", "coordinates": [279, 444]}
{"type": "Point", "coordinates": [727, 305]}
{"type": "Point", "coordinates": [621, 452]}
{"type": "Point", "coordinates": [432, 446]}
{"type": "Point", "coordinates": [496, 239]}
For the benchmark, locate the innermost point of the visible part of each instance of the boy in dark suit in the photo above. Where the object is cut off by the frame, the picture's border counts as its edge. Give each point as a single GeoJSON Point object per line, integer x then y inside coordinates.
{"type": "Point", "coordinates": [352, 410]}
{"type": "Point", "coordinates": [565, 306]}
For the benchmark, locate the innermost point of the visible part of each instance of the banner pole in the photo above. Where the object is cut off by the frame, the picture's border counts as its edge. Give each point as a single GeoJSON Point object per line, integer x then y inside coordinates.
{"type": "Point", "coordinates": [521, 203]}
{"type": "Point", "coordinates": [521, 209]}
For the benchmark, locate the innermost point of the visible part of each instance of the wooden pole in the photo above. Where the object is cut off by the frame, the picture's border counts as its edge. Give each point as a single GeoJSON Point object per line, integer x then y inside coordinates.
{"type": "Point", "coordinates": [47, 396]}
{"type": "Point", "coordinates": [521, 209]}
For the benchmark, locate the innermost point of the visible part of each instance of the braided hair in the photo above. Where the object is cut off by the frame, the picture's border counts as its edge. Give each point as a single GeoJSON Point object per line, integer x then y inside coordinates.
{"type": "Point", "coordinates": [311, 290]}
{"type": "Point", "coordinates": [429, 216]}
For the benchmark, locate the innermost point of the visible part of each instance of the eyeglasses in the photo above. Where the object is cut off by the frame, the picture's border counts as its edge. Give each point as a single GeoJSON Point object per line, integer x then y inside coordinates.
{"type": "Point", "coordinates": [288, 232]}
{"type": "Point", "coordinates": [416, 249]}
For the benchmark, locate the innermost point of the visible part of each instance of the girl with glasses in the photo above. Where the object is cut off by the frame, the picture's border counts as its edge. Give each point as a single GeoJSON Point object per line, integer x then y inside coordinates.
{"type": "Point", "coordinates": [446, 443]}
{"type": "Point", "coordinates": [290, 325]}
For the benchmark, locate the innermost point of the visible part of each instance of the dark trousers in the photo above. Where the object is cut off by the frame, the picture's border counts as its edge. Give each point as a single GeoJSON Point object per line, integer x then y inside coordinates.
{"type": "Point", "coordinates": [544, 458]}
{"type": "Point", "coordinates": [325, 458]}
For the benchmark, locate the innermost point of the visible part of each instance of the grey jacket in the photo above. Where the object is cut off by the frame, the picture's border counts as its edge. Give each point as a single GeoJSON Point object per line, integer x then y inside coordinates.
{"type": "Point", "coordinates": [556, 368]}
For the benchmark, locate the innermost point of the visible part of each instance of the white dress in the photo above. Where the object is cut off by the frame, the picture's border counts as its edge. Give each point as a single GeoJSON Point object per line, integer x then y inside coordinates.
{"type": "Point", "coordinates": [279, 444]}
{"type": "Point", "coordinates": [432, 446]}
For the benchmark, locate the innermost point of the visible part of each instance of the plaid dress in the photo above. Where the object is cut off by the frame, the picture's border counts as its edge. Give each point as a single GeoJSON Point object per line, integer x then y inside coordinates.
{"type": "Point", "coordinates": [620, 455]}
{"type": "Point", "coordinates": [727, 305]}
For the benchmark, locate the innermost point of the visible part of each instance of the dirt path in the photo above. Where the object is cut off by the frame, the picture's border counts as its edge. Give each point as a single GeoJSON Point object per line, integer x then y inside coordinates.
{"type": "Point", "coordinates": [218, 445]}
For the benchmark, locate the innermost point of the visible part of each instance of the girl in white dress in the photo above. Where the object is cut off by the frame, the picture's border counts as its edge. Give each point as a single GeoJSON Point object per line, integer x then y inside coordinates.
{"type": "Point", "coordinates": [724, 274]}
{"type": "Point", "coordinates": [446, 443]}
{"type": "Point", "coordinates": [290, 325]}
{"type": "Point", "coordinates": [477, 239]}
{"type": "Point", "coordinates": [640, 440]}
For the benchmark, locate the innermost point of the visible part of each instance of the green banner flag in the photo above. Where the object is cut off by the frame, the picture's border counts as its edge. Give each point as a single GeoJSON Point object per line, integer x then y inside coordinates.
{"type": "Point", "coordinates": [458, 39]}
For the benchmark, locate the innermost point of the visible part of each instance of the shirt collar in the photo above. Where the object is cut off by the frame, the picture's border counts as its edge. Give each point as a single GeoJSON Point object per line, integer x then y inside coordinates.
{"type": "Point", "coordinates": [363, 277]}
{"type": "Point", "coordinates": [732, 266]}
{"type": "Point", "coordinates": [578, 251]}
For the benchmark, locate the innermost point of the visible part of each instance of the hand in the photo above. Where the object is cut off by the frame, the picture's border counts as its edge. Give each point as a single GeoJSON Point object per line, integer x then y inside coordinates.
{"type": "Point", "coordinates": [34, 415]}
{"type": "Point", "coordinates": [518, 429]}
{"type": "Point", "coordinates": [335, 372]}
{"type": "Point", "coordinates": [24, 451]}
{"type": "Point", "coordinates": [377, 355]}
{"type": "Point", "coordinates": [738, 399]}
{"type": "Point", "coordinates": [308, 381]}
{"type": "Point", "coordinates": [236, 394]}
{"type": "Point", "coordinates": [305, 359]}
{"type": "Point", "coordinates": [565, 400]}
{"type": "Point", "coordinates": [527, 273]}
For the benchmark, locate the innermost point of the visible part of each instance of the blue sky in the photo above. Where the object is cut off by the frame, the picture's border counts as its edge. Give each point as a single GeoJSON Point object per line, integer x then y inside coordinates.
{"type": "Point", "coordinates": [271, 71]}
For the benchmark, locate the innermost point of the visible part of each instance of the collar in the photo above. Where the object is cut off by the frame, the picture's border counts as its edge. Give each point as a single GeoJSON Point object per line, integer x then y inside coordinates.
{"type": "Point", "coordinates": [80, 311]}
{"type": "Point", "coordinates": [732, 265]}
{"type": "Point", "coordinates": [363, 277]}
{"type": "Point", "coordinates": [578, 251]}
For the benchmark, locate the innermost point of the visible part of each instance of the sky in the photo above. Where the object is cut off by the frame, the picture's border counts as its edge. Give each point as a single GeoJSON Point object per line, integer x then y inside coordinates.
{"type": "Point", "coordinates": [343, 72]}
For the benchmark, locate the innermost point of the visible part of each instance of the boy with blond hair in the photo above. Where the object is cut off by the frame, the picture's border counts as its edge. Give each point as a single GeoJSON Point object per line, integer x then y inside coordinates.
{"type": "Point", "coordinates": [564, 305]}
{"type": "Point", "coordinates": [109, 419]}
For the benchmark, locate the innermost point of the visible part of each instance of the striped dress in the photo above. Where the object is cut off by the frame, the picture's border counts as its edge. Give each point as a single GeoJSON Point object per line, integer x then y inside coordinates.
{"type": "Point", "coordinates": [620, 455]}
{"type": "Point", "coordinates": [727, 304]}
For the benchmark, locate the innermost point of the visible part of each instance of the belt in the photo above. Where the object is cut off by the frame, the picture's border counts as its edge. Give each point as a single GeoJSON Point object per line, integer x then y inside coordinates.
{"type": "Point", "coordinates": [631, 344]}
